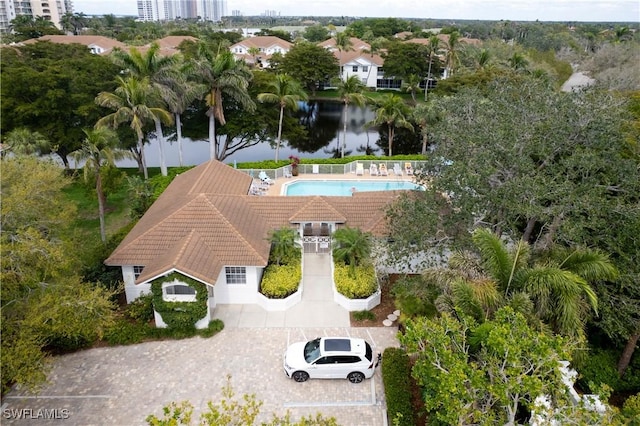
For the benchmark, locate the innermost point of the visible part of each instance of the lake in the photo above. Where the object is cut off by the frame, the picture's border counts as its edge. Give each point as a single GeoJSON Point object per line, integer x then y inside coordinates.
{"type": "Point", "coordinates": [324, 121]}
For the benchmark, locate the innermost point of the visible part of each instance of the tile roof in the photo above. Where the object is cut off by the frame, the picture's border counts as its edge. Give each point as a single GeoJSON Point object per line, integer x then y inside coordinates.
{"type": "Point", "coordinates": [205, 220]}
{"type": "Point", "coordinates": [106, 43]}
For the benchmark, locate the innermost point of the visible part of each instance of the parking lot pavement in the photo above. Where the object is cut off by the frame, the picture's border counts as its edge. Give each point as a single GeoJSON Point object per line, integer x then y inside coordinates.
{"type": "Point", "coordinates": [122, 385]}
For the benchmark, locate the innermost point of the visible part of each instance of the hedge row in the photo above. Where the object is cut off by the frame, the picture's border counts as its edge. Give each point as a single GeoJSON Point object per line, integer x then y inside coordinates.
{"type": "Point", "coordinates": [396, 374]}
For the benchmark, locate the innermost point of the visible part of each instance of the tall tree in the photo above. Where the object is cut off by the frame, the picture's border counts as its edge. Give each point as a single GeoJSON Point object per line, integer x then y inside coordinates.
{"type": "Point", "coordinates": [452, 55]}
{"type": "Point", "coordinates": [99, 149]}
{"type": "Point", "coordinates": [23, 141]}
{"type": "Point", "coordinates": [56, 81]}
{"type": "Point", "coordinates": [44, 305]}
{"type": "Point", "coordinates": [426, 115]}
{"type": "Point", "coordinates": [223, 76]}
{"type": "Point", "coordinates": [393, 112]}
{"type": "Point", "coordinates": [349, 92]}
{"type": "Point", "coordinates": [285, 92]}
{"type": "Point", "coordinates": [161, 72]}
{"type": "Point", "coordinates": [343, 42]}
{"type": "Point", "coordinates": [132, 101]}
{"type": "Point", "coordinates": [311, 65]}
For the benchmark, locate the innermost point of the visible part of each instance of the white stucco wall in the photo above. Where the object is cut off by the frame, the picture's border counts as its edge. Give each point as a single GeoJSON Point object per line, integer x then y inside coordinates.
{"type": "Point", "coordinates": [132, 290]}
{"type": "Point", "coordinates": [238, 293]}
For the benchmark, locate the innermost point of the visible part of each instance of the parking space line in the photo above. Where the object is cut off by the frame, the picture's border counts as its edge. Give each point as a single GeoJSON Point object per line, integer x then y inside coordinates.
{"type": "Point", "coordinates": [373, 341]}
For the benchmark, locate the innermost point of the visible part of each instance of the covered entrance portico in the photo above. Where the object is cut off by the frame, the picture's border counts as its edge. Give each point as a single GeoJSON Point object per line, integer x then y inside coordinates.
{"type": "Point", "coordinates": [316, 237]}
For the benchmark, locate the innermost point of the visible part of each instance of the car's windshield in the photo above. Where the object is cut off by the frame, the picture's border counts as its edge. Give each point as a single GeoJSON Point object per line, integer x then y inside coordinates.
{"type": "Point", "coordinates": [312, 350]}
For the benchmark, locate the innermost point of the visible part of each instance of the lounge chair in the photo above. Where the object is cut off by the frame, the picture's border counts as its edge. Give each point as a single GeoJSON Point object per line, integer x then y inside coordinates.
{"type": "Point", "coordinates": [373, 170]}
{"type": "Point", "coordinates": [408, 168]}
{"type": "Point", "coordinates": [264, 178]}
{"type": "Point", "coordinates": [383, 169]}
{"type": "Point", "coordinates": [287, 173]}
{"type": "Point", "coordinates": [397, 170]}
{"type": "Point", "coordinates": [359, 169]}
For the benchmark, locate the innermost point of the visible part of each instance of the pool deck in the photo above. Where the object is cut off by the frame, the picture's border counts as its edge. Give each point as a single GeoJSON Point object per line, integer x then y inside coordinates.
{"type": "Point", "coordinates": [276, 188]}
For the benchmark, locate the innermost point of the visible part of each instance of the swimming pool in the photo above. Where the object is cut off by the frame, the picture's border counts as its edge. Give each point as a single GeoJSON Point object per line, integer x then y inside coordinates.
{"type": "Point", "coordinates": [344, 187]}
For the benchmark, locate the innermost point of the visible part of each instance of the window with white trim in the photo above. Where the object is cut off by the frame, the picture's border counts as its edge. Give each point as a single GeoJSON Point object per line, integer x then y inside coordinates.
{"type": "Point", "coordinates": [365, 68]}
{"type": "Point", "coordinates": [178, 292]}
{"type": "Point", "coordinates": [354, 68]}
{"type": "Point", "coordinates": [137, 270]}
{"type": "Point", "coordinates": [236, 274]}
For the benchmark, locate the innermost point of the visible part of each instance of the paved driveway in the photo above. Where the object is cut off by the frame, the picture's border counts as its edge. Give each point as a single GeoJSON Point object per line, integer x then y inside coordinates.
{"type": "Point", "coordinates": [122, 385]}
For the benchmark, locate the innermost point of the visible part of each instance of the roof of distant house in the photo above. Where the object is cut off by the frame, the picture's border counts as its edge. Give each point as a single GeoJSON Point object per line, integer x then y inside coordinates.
{"type": "Point", "coordinates": [105, 43]}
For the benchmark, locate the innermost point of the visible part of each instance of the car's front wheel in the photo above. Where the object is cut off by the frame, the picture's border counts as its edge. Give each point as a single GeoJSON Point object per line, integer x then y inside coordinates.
{"type": "Point", "coordinates": [355, 377]}
{"type": "Point", "coordinates": [300, 376]}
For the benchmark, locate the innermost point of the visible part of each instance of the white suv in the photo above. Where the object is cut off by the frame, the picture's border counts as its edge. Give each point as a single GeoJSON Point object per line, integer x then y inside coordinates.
{"type": "Point", "coordinates": [330, 358]}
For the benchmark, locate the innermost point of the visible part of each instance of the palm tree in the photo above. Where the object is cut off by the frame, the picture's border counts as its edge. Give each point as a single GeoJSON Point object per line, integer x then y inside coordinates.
{"type": "Point", "coordinates": [352, 246]}
{"type": "Point", "coordinates": [343, 42]}
{"type": "Point", "coordinates": [286, 92]}
{"type": "Point", "coordinates": [22, 141]}
{"type": "Point", "coordinates": [483, 59]}
{"type": "Point", "coordinates": [222, 75]}
{"type": "Point", "coordinates": [518, 62]}
{"type": "Point", "coordinates": [284, 246]}
{"type": "Point", "coordinates": [99, 149]}
{"type": "Point", "coordinates": [411, 84]}
{"type": "Point", "coordinates": [553, 286]}
{"type": "Point", "coordinates": [393, 112]}
{"type": "Point", "coordinates": [452, 55]}
{"type": "Point", "coordinates": [185, 92]}
{"type": "Point", "coordinates": [161, 72]}
{"type": "Point", "coordinates": [254, 52]}
{"type": "Point", "coordinates": [434, 45]}
{"type": "Point", "coordinates": [349, 91]}
{"type": "Point", "coordinates": [426, 115]}
{"type": "Point", "coordinates": [133, 102]}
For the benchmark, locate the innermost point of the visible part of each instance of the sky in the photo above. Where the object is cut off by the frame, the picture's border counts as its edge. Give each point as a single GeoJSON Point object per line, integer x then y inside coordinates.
{"type": "Point", "coordinates": [514, 10]}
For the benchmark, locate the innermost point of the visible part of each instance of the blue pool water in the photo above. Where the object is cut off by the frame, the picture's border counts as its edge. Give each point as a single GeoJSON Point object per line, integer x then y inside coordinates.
{"type": "Point", "coordinates": [344, 187]}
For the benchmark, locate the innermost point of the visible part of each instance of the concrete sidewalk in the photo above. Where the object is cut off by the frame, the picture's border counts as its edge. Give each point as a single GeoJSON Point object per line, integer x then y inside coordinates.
{"type": "Point", "coordinates": [317, 308]}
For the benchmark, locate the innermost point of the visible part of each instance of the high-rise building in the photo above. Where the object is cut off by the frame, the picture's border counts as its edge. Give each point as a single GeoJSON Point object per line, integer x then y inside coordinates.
{"type": "Point", "coordinates": [52, 10]}
{"type": "Point", "coordinates": [167, 10]}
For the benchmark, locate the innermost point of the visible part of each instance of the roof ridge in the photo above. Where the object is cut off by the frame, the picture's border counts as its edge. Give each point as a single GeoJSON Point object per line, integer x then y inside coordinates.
{"type": "Point", "coordinates": [232, 226]}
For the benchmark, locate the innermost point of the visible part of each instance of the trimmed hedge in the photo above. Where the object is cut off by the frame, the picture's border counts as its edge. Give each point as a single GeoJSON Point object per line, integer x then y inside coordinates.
{"type": "Point", "coordinates": [360, 287]}
{"type": "Point", "coordinates": [396, 376]}
{"type": "Point", "coordinates": [280, 281]}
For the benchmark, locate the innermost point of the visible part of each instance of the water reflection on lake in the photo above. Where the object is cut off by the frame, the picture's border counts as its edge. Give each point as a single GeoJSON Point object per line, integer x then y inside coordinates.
{"type": "Point", "coordinates": [324, 122]}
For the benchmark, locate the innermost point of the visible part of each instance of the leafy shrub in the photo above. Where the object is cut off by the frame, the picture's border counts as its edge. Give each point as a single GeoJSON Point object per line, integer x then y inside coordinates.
{"type": "Point", "coordinates": [141, 309]}
{"type": "Point", "coordinates": [600, 366]}
{"type": "Point", "coordinates": [631, 410]}
{"type": "Point", "coordinates": [364, 315]}
{"type": "Point", "coordinates": [414, 297]}
{"type": "Point", "coordinates": [396, 375]}
{"type": "Point", "coordinates": [279, 281]}
{"type": "Point", "coordinates": [363, 285]}
{"type": "Point", "coordinates": [125, 332]}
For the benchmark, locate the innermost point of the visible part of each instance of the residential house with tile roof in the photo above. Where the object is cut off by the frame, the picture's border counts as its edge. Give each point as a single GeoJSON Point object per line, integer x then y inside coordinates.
{"type": "Point", "coordinates": [358, 61]}
{"type": "Point", "coordinates": [266, 46]}
{"type": "Point", "coordinates": [206, 227]}
{"type": "Point", "coordinates": [98, 45]}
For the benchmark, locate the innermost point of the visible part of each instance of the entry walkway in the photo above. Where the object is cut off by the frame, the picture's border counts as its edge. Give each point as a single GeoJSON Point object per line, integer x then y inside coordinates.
{"type": "Point", "coordinates": [317, 308]}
